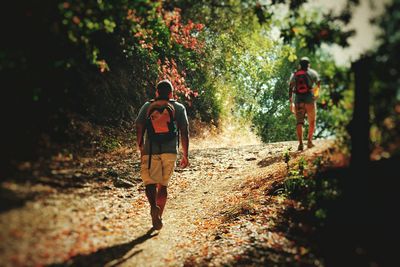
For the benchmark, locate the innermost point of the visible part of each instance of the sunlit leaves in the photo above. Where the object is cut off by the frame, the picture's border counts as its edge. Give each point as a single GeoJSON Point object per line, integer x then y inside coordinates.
{"type": "Point", "coordinates": [145, 29]}
{"type": "Point", "coordinates": [109, 25]}
{"type": "Point", "coordinates": [183, 34]}
{"type": "Point", "coordinates": [311, 28]}
{"type": "Point", "coordinates": [168, 69]}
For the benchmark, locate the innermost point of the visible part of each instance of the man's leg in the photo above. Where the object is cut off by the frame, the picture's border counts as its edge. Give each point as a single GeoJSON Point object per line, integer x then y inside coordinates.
{"type": "Point", "coordinates": [161, 197]}
{"type": "Point", "coordinates": [311, 129]}
{"type": "Point", "coordinates": [168, 165]}
{"type": "Point", "coordinates": [151, 193]}
{"type": "Point", "coordinates": [311, 115]}
{"type": "Point", "coordinates": [150, 177]}
{"type": "Point", "coordinates": [299, 130]}
{"type": "Point", "coordinates": [300, 114]}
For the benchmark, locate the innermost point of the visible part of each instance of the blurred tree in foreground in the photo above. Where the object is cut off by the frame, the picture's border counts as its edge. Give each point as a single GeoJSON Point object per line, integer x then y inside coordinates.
{"type": "Point", "coordinates": [385, 86]}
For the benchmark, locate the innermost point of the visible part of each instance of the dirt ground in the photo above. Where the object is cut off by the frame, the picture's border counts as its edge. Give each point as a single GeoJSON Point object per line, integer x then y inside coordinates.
{"type": "Point", "coordinates": [93, 211]}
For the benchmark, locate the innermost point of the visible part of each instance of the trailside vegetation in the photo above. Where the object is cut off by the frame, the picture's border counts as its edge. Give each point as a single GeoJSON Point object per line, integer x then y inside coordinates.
{"type": "Point", "coordinates": [76, 72]}
{"type": "Point", "coordinates": [69, 64]}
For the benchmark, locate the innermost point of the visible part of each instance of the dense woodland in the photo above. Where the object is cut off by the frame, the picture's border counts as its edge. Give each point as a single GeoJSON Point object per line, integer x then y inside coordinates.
{"type": "Point", "coordinates": [75, 73]}
{"type": "Point", "coordinates": [100, 61]}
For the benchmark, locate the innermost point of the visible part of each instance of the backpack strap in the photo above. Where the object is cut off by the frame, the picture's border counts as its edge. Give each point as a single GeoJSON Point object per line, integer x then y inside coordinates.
{"type": "Point", "coordinates": [150, 143]}
{"type": "Point", "coordinates": [156, 104]}
{"type": "Point", "coordinates": [301, 72]}
{"type": "Point", "coordinates": [150, 153]}
{"type": "Point", "coordinates": [177, 135]}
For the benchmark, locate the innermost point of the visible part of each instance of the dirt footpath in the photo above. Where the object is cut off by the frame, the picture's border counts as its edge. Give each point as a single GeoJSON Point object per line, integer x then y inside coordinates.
{"type": "Point", "coordinates": [93, 212]}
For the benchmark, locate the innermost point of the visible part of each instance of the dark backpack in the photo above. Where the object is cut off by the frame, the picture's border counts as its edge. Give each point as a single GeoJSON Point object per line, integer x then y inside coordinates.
{"type": "Point", "coordinates": [302, 82]}
{"type": "Point", "coordinates": [160, 123]}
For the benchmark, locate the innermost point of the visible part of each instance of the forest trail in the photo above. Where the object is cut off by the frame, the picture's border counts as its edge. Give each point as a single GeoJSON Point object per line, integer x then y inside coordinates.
{"type": "Point", "coordinates": [216, 211]}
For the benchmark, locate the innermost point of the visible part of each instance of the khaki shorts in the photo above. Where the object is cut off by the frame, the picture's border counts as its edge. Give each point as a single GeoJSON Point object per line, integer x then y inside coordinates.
{"type": "Point", "coordinates": [161, 169]}
{"type": "Point", "coordinates": [305, 108]}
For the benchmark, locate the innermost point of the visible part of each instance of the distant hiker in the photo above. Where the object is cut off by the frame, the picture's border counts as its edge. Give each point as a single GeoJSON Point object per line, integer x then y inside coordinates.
{"type": "Point", "coordinates": [305, 84]}
{"type": "Point", "coordinates": [163, 119]}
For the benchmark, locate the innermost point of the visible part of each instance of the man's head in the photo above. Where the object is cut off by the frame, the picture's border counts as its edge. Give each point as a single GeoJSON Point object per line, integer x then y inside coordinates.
{"type": "Point", "coordinates": [164, 89]}
{"type": "Point", "coordinates": [304, 63]}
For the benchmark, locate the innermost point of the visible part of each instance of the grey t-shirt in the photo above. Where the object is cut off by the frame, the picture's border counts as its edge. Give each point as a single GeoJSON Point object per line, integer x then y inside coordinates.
{"type": "Point", "coordinates": [307, 97]}
{"type": "Point", "coordinates": [171, 146]}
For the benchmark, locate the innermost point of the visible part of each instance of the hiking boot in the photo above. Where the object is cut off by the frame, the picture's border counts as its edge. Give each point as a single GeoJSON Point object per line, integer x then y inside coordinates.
{"type": "Point", "coordinates": [155, 218]}
{"type": "Point", "coordinates": [300, 147]}
{"type": "Point", "coordinates": [310, 144]}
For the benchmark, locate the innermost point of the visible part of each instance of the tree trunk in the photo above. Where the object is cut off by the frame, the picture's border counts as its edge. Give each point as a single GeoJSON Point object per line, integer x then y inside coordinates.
{"type": "Point", "coordinates": [357, 190]}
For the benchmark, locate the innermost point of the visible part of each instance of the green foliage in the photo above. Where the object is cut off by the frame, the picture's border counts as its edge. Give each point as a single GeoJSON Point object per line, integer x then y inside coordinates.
{"type": "Point", "coordinates": [296, 182]}
{"type": "Point", "coordinates": [108, 57]}
{"type": "Point", "coordinates": [286, 158]}
{"type": "Point", "coordinates": [140, 30]}
{"type": "Point", "coordinates": [230, 60]}
{"type": "Point", "coordinates": [246, 55]}
{"type": "Point", "coordinates": [305, 184]}
{"type": "Point", "coordinates": [318, 162]}
{"type": "Point", "coordinates": [307, 29]}
{"type": "Point", "coordinates": [302, 166]}
{"type": "Point", "coordinates": [109, 143]}
{"type": "Point", "coordinates": [333, 106]}
{"type": "Point", "coordinates": [256, 65]}
{"type": "Point", "coordinates": [239, 63]}
{"type": "Point", "coordinates": [102, 59]}
{"type": "Point", "coordinates": [296, 186]}
{"type": "Point", "coordinates": [321, 214]}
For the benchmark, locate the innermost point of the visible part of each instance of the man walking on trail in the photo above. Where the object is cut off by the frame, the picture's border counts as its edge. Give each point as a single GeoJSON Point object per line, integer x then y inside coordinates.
{"type": "Point", "coordinates": [163, 119]}
{"type": "Point", "coordinates": [305, 84]}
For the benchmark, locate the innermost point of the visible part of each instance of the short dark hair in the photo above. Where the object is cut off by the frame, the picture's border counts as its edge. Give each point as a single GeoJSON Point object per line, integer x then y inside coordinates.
{"type": "Point", "coordinates": [164, 88]}
{"type": "Point", "coordinates": [304, 61]}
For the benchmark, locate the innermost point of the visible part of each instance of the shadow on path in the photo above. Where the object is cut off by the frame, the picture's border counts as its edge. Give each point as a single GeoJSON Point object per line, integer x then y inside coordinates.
{"type": "Point", "coordinates": [10, 200]}
{"type": "Point", "coordinates": [111, 256]}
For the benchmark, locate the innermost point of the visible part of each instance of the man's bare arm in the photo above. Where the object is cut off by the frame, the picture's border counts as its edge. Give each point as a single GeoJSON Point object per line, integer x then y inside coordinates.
{"type": "Point", "coordinates": [139, 137]}
{"type": "Point", "coordinates": [185, 146]}
{"type": "Point", "coordinates": [291, 85]}
{"type": "Point", "coordinates": [316, 90]}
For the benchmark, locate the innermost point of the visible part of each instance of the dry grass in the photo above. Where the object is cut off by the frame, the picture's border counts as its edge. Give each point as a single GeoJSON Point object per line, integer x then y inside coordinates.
{"type": "Point", "coordinates": [230, 133]}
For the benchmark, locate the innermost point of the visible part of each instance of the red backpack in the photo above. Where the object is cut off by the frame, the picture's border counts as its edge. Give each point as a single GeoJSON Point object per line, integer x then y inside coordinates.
{"type": "Point", "coordinates": [160, 123]}
{"type": "Point", "coordinates": [302, 82]}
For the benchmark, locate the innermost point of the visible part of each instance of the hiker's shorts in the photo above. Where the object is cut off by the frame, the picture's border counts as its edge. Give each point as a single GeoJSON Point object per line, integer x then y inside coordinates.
{"type": "Point", "coordinates": [305, 108]}
{"type": "Point", "coordinates": [161, 169]}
